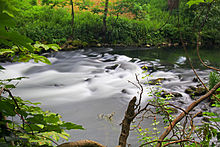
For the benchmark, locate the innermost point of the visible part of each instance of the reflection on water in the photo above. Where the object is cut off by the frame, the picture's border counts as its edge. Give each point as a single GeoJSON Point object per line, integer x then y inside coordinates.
{"type": "Point", "coordinates": [82, 84]}
{"type": "Point", "coordinates": [174, 57]}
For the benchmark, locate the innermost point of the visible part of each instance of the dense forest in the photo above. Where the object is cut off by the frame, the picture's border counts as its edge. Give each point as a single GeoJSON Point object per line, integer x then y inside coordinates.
{"type": "Point", "coordinates": [33, 30]}
{"type": "Point", "coordinates": [124, 22]}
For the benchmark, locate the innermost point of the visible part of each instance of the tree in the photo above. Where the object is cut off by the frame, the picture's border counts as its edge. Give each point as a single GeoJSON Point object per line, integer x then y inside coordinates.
{"type": "Point", "coordinates": [72, 13]}
{"type": "Point", "coordinates": [104, 29]}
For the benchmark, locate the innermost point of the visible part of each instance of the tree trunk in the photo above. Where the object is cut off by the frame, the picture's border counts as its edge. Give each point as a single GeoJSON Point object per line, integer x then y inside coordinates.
{"type": "Point", "coordinates": [173, 4]}
{"type": "Point", "coordinates": [72, 13]}
{"type": "Point", "coordinates": [129, 117]}
{"type": "Point", "coordinates": [104, 29]}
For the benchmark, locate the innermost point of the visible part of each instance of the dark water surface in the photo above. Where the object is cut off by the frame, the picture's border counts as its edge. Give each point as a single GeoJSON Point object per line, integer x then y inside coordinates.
{"type": "Point", "coordinates": [84, 86]}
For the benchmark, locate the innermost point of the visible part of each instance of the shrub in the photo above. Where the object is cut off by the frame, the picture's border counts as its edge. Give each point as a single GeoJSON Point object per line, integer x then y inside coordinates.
{"type": "Point", "coordinates": [88, 26]}
{"type": "Point", "coordinates": [45, 24]}
{"type": "Point", "coordinates": [214, 78]}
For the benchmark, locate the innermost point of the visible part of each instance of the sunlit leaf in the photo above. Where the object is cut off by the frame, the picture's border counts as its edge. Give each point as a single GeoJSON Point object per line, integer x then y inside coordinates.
{"type": "Point", "coordinates": [69, 126]}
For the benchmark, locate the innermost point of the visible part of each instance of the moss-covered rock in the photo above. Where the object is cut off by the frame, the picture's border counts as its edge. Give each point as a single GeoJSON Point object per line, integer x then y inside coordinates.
{"type": "Point", "coordinates": [164, 94]}
{"type": "Point", "coordinates": [157, 81]}
{"type": "Point", "coordinates": [195, 91]}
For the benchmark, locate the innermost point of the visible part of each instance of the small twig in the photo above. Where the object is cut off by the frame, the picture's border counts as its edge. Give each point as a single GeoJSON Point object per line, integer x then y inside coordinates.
{"type": "Point", "coordinates": [141, 93]}
{"type": "Point", "coordinates": [22, 118]}
{"type": "Point", "coordinates": [13, 98]}
{"type": "Point", "coordinates": [179, 141]}
{"type": "Point", "coordinates": [156, 141]}
{"type": "Point", "coordinates": [142, 119]}
{"type": "Point", "coordinates": [191, 124]}
{"type": "Point", "coordinates": [2, 89]}
{"type": "Point", "coordinates": [197, 50]}
{"type": "Point", "coordinates": [48, 139]}
{"type": "Point", "coordinates": [176, 107]}
{"type": "Point", "coordinates": [184, 127]}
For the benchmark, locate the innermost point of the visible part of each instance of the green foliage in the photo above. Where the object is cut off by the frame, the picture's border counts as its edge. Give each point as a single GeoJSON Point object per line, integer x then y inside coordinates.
{"type": "Point", "coordinates": [196, 2]}
{"type": "Point", "coordinates": [51, 23]}
{"type": "Point", "coordinates": [41, 23]}
{"type": "Point", "coordinates": [84, 4]}
{"type": "Point", "coordinates": [36, 127]}
{"type": "Point", "coordinates": [214, 78]}
{"type": "Point", "coordinates": [88, 26]}
{"type": "Point", "coordinates": [210, 130]}
{"type": "Point", "coordinates": [20, 48]}
{"type": "Point", "coordinates": [146, 135]}
{"type": "Point", "coordinates": [138, 8]}
{"type": "Point", "coordinates": [54, 3]}
{"type": "Point", "coordinates": [21, 54]}
{"type": "Point", "coordinates": [10, 38]}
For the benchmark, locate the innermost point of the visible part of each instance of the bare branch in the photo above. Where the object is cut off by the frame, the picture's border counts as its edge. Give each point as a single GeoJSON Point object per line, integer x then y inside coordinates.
{"type": "Point", "coordinates": [197, 50]}
{"type": "Point", "coordinates": [188, 109]}
{"type": "Point", "coordinates": [156, 141]}
{"type": "Point", "coordinates": [179, 141]}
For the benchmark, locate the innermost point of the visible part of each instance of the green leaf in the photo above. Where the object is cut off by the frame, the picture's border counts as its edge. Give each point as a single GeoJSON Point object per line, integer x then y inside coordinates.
{"type": "Point", "coordinates": [32, 127]}
{"type": "Point", "coordinates": [6, 51]}
{"type": "Point", "coordinates": [54, 47]}
{"type": "Point", "coordinates": [209, 114]}
{"type": "Point", "coordinates": [194, 2]}
{"type": "Point", "coordinates": [36, 119]}
{"type": "Point", "coordinates": [12, 79]}
{"type": "Point", "coordinates": [215, 119]}
{"type": "Point", "coordinates": [38, 58]}
{"type": "Point", "coordinates": [22, 112]}
{"type": "Point", "coordinates": [16, 39]}
{"type": "Point", "coordinates": [10, 86]}
{"type": "Point", "coordinates": [7, 108]}
{"type": "Point", "coordinates": [70, 126]}
{"type": "Point", "coordinates": [53, 118]}
{"type": "Point", "coordinates": [6, 20]}
{"type": "Point", "coordinates": [49, 128]}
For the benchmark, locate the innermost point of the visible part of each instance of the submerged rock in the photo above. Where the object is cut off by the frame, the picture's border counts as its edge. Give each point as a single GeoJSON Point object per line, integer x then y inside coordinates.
{"type": "Point", "coordinates": [195, 91]}
{"type": "Point", "coordinates": [157, 81]}
{"type": "Point", "coordinates": [195, 79]}
{"type": "Point", "coordinates": [164, 94]}
{"type": "Point", "coordinates": [113, 67]}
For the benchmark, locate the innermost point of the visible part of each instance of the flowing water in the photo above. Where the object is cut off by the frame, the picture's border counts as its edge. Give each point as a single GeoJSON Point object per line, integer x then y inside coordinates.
{"type": "Point", "coordinates": [85, 86]}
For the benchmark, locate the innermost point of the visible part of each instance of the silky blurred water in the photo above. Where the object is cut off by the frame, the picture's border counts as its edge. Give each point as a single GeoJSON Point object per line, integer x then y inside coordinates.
{"type": "Point", "coordinates": [83, 85]}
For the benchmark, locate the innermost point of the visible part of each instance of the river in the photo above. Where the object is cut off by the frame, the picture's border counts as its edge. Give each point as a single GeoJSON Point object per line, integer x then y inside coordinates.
{"type": "Point", "coordinates": [86, 85]}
